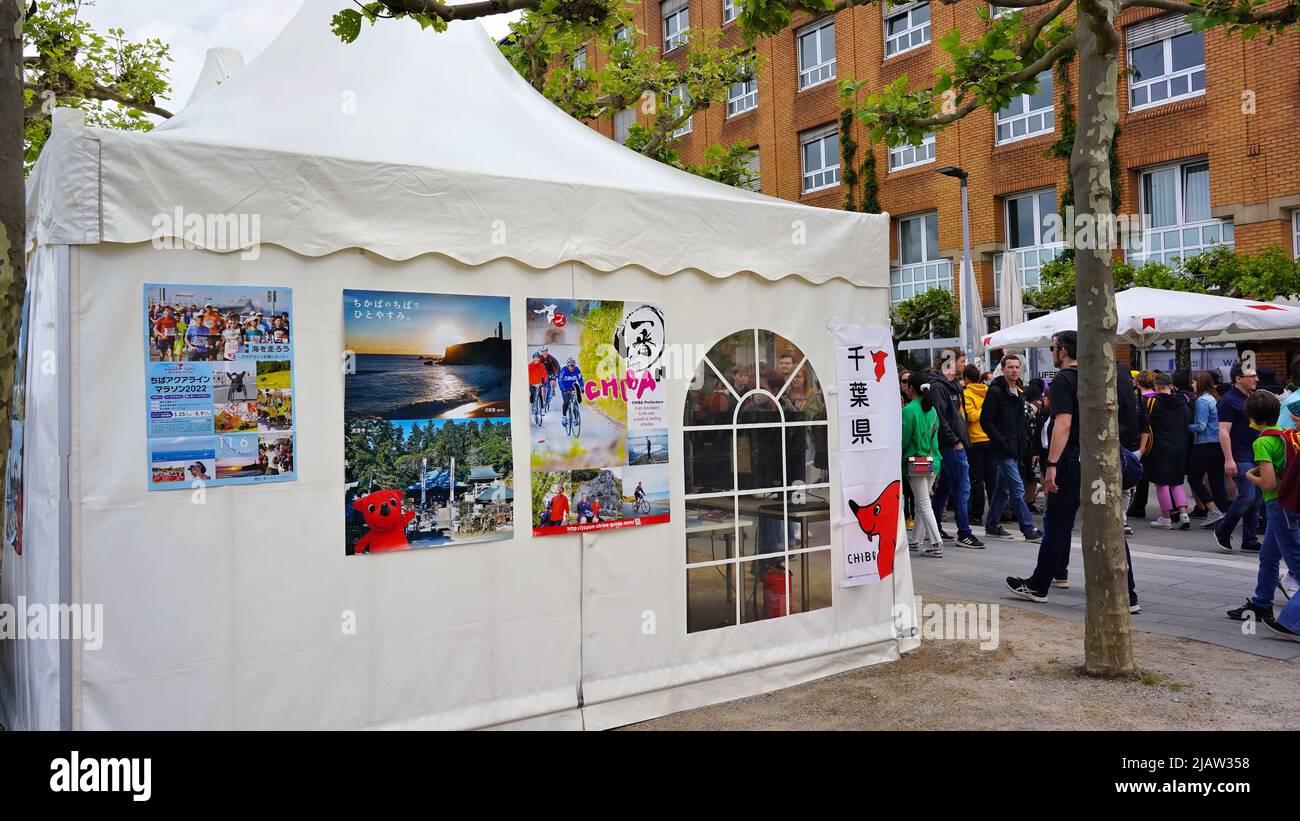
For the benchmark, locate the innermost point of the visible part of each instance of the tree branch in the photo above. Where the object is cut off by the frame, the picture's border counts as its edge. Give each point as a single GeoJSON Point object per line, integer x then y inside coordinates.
{"type": "Point", "coordinates": [103, 92]}
{"type": "Point", "coordinates": [1283, 15]}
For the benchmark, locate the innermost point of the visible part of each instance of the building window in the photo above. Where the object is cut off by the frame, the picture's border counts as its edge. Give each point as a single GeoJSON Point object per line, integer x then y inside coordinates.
{"type": "Point", "coordinates": [996, 11]}
{"type": "Point", "coordinates": [1176, 221]}
{"type": "Point", "coordinates": [623, 121]}
{"type": "Point", "coordinates": [623, 36]}
{"type": "Point", "coordinates": [756, 181]}
{"type": "Point", "coordinates": [1166, 62]}
{"type": "Point", "coordinates": [816, 53]}
{"type": "Point", "coordinates": [1029, 114]}
{"type": "Point", "coordinates": [921, 268]}
{"type": "Point", "coordinates": [907, 26]}
{"type": "Point", "coordinates": [906, 156]}
{"type": "Point", "coordinates": [677, 22]}
{"type": "Point", "coordinates": [1033, 235]}
{"type": "Point", "coordinates": [757, 484]}
{"type": "Point", "coordinates": [580, 60]}
{"type": "Point", "coordinates": [678, 100]}
{"type": "Point", "coordinates": [742, 97]}
{"type": "Point", "coordinates": [728, 11]}
{"type": "Point", "coordinates": [1295, 234]}
{"type": "Point", "coordinates": [821, 158]}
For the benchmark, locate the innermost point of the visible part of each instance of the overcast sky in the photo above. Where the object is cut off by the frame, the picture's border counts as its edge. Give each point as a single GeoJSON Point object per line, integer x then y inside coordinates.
{"type": "Point", "coordinates": [191, 27]}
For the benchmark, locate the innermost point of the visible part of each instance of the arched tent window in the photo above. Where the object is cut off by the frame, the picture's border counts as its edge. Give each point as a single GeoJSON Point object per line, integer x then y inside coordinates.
{"type": "Point", "coordinates": [757, 484]}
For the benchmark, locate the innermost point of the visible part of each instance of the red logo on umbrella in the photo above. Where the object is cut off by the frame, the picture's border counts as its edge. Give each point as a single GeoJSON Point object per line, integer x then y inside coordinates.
{"type": "Point", "coordinates": [1148, 322]}
{"type": "Point", "coordinates": [1266, 307]}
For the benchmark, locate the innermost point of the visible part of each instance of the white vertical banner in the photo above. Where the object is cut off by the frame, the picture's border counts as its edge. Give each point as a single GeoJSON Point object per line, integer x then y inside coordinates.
{"type": "Point", "coordinates": [870, 450]}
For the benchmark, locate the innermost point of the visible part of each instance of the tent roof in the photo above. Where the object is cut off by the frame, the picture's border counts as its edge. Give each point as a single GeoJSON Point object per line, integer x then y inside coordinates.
{"type": "Point", "coordinates": [409, 142]}
{"type": "Point", "coordinates": [1150, 315]}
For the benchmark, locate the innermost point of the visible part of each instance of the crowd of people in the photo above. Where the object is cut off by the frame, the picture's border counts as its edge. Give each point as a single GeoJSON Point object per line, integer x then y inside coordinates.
{"type": "Point", "coordinates": [188, 333]}
{"type": "Point", "coordinates": [983, 443]}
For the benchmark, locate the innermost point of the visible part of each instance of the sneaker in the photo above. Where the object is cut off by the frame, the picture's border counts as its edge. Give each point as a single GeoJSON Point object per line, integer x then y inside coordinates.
{"type": "Point", "coordinates": [1021, 588]}
{"type": "Point", "coordinates": [913, 546]}
{"type": "Point", "coordinates": [1224, 540]}
{"type": "Point", "coordinates": [945, 535]}
{"type": "Point", "coordinates": [932, 551]}
{"type": "Point", "coordinates": [1279, 629]}
{"type": "Point", "coordinates": [1239, 613]}
{"type": "Point", "coordinates": [1184, 523]}
{"type": "Point", "coordinates": [1135, 608]}
{"type": "Point", "coordinates": [1162, 524]}
{"type": "Point", "coordinates": [997, 532]}
{"type": "Point", "coordinates": [1250, 547]}
{"type": "Point", "coordinates": [1288, 585]}
{"type": "Point", "coordinates": [1034, 535]}
{"type": "Point", "coordinates": [1199, 513]}
{"type": "Point", "coordinates": [970, 541]}
{"type": "Point", "coordinates": [1212, 518]}
{"type": "Point", "coordinates": [1128, 531]}
{"type": "Point", "coordinates": [1064, 584]}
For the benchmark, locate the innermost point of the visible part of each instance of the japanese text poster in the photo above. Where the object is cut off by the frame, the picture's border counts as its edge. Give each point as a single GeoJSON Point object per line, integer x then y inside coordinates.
{"type": "Point", "coordinates": [598, 415]}
{"type": "Point", "coordinates": [219, 374]}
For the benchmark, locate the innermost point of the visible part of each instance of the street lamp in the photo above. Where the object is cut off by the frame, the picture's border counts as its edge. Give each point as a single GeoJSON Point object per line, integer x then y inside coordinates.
{"type": "Point", "coordinates": [972, 311]}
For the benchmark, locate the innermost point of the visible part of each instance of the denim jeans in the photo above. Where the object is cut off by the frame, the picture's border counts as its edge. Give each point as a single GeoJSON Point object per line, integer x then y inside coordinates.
{"type": "Point", "coordinates": [954, 480]}
{"type": "Point", "coordinates": [1010, 489]}
{"type": "Point", "coordinates": [1243, 508]}
{"type": "Point", "coordinates": [1281, 543]}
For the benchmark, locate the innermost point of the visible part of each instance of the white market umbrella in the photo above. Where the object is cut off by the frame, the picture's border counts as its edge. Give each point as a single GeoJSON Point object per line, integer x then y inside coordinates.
{"type": "Point", "coordinates": [1150, 315]}
{"type": "Point", "coordinates": [1011, 306]}
{"type": "Point", "coordinates": [972, 315]}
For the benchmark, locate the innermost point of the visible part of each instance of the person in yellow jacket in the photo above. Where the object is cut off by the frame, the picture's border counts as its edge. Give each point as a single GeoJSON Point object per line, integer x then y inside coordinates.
{"type": "Point", "coordinates": [983, 464]}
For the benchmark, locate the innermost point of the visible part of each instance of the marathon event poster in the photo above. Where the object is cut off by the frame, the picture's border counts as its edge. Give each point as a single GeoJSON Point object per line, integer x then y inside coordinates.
{"type": "Point", "coordinates": [427, 457]}
{"type": "Point", "coordinates": [597, 414]}
{"type": "Point", "coordinates": [219, 385]}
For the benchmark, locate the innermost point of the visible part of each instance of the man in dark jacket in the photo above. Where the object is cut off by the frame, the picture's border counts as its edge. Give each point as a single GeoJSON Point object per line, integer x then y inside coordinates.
{"type": "Point", "coordinates": [954, 471]}
{"type": "Point", "coordinates": [1003, 419]}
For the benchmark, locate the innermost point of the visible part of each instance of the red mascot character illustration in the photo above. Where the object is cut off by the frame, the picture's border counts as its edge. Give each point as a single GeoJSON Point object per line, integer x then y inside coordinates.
{"type": "Point", "coordinates": [387, 521]}
{"type": "Point", "coordinates": [879, 520]}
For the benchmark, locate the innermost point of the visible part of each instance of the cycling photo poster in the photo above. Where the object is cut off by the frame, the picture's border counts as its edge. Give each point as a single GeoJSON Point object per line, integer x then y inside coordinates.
{"type": "Point", "coordinates": [598, 420]}
{"type": "Point", "coordinates": [218, 385]}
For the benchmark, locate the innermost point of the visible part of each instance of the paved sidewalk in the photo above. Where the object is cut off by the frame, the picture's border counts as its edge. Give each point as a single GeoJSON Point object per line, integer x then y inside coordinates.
{"type": "Point", "coordinates": [1184, 583]}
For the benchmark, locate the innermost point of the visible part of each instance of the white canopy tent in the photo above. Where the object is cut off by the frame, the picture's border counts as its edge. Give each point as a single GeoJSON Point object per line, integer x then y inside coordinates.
{"type": "Point", "coordinates": [415, 161]}
{"type": "Point", "coordinates": [1146, 316]}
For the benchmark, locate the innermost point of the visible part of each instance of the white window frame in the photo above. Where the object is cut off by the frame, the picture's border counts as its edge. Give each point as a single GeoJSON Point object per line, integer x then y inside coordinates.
{"type": "Point", "coordinates": [996, 11]}
{"type": "Point", "coordinates": [623, 34]}
{"type": "Point", "coordinates": [910, 279]}
{"type": "Point", "coordinates": [579, 62]}
{"type": "Point", "coordinates": [910, 156]}
{"type": "Point", "coordinates": [1045, 118]}
{"type": "Point", "coordinates": [677, 98]}
{"type": "Point", "coordinates": [893, 42]}
{"type": "Point", "coordinates": [1168, 242]}
{"type": "Point", "coordinates": [825, 176]}
{"type": "Point", "coordinates": [1161, 30]}
{"type": "Point", "coordinates": [677, 23]}
{"type": "Point", "coordinates": [742, 97]}
{"type": "Point", "coordinates": [1030, 259]}
{"type": "Point", "coordinates": [730, 8]}
{"type": "Point", "coordinates": [823, 71]}
{"type": "Point", "coordinates": [1295, 234]}
{"type": "Point", "coordinates": [738, 560]}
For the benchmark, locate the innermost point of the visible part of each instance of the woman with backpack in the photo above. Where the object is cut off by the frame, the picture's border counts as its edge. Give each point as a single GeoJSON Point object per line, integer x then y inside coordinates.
{"type": "Point", "coordinates": [921, 463]}
{"type": "Point", "coordinates": [1164, 446]}
{"type": "Point", "coordinates": [1207, 454]}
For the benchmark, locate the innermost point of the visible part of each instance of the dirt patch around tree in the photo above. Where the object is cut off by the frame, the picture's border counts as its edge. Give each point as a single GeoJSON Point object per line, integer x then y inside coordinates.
{"type": "Point", "coordinates": [1032, 681]}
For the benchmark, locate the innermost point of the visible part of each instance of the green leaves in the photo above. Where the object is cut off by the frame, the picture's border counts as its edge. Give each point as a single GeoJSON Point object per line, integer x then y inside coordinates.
{"type": "Point", "coordinates": [346, 25]}
{"type": "Point", "coordinates": [932, 312]}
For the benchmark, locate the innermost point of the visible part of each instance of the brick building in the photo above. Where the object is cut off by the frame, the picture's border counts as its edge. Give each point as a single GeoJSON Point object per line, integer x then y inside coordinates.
{"type": "Point", "coordinates": [1209, 144]}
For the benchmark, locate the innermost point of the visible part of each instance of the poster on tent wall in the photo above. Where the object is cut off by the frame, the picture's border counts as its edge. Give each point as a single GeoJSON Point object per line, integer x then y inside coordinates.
{"type": "Point", "coordinates": [219, 385]}
{"type": "Point", "coordinates": [14, 469]}
{"type": "Point", "coordinates": [427, 460]}
{"type": "Point", "coordinates": [870, 430]}
{"type": "Point", "coordinates": [598, 415]}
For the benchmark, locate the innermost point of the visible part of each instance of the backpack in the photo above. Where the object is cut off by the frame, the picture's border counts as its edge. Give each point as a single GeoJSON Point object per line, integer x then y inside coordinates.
{"type": "Point", "coordinates": [1151, 437]}
{"type": "Point", "coordinates": [1288, 489]}
{"type": "Point", "coordinates": [1130, 468]}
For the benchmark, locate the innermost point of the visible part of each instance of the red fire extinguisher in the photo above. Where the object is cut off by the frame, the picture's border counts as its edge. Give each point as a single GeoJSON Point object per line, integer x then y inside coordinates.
{"type": "Point", "coordinates": [775, 598]}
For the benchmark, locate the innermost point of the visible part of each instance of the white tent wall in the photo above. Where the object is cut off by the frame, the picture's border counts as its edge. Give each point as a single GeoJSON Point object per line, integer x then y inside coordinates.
{"type": "Point", "coordinates": [225, 610]}
{"type": "Point", "coordinates": [32, 680]}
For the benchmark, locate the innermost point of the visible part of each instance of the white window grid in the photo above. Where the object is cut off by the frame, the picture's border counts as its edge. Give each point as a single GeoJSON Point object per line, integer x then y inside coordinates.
{"type": "Point", "coordinates": [1170, 85]}
{"type": "Point", "coordinates": [907, 156]}
{"type": "Point", "coordinates": [907, 26]}
{"type": "Point", "coordinates": [817, 42]}
{"type": "Point", "coordinates": [814, 489]}
{"type": "Point", "coordinates": [742, 97]}
{"type": "Point", "coordinates": [677, 25]}
{"type": "Point", "coordinates": [1184, 238]}
{"type": "Point", "coordinates": [1029, 266]}
{"type": "Point", "coordinates": [820, 146]}
{"type": "Point", "coordinates": [678, 99]}
{"type": "Point", "coordinates": [1027, 121]}
{"type": "Point", "coordinates": [906, 281]}
{"type": "Point", "coordinates": [728, 11]}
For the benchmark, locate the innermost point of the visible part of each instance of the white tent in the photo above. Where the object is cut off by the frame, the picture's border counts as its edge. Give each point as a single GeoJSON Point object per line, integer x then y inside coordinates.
{"type": "Point", "coordinates": [406, 161]}
{"type": "Point", "coordinates": [1146, 316]}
